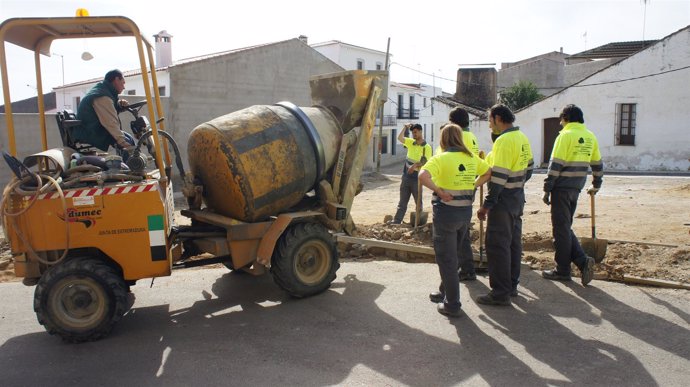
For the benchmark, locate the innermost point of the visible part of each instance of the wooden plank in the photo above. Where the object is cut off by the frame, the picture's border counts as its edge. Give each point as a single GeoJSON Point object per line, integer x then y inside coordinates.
{"type": "Point", "coordinates": [655, 282]}
{"type": "Point", "coordinates": [386, 245]}
{"type": "Point", "coordinates": [641, 243]}
{"type": "Point", "coordinates": [482, 263]}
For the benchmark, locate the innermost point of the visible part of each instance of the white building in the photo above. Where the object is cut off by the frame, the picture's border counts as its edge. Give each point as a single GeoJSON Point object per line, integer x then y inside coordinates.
{"type": "Point", "coordinates": [407, 102]}
{"type": "Point", "coordinates": [638, 109]}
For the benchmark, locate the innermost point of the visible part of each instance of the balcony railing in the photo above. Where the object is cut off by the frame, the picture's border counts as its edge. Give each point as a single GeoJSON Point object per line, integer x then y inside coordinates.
{"type": "Point", "coordinates": [408, 113]}
{"type": "Point", "coordinates": [388, 121]}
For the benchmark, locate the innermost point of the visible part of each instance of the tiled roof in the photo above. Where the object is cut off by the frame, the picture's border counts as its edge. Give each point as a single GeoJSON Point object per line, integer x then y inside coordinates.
{"type": "Point", "coordinates": [614, 50]}
{"type": "Point", "coordinates": [454, 103]}
{"type": "Point", "coordinates": [413, 86]}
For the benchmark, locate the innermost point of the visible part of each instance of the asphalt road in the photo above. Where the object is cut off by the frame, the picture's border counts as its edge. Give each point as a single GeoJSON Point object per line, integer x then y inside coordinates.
{"type": "Point", "coordinates": [374, 327]}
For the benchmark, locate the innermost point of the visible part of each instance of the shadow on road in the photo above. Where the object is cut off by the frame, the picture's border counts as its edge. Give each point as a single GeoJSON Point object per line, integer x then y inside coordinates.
{"type": "Point", "coordinates": [571, 358]}
{"type": "Point", "coordinates": [248, 332]}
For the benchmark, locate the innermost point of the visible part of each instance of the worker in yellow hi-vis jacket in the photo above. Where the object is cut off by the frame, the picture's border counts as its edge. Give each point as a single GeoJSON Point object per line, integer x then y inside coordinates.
{"type": "Point", "coordinates": [418, 152]}
{"type": "Point", "coordinates": [460, 117]}
{"type": "Point", "coordinates": [576, 150]}
{"type": "Point", "coordinates": [511, 167]}
{"type": "Point", "coordinates": [452, 176]}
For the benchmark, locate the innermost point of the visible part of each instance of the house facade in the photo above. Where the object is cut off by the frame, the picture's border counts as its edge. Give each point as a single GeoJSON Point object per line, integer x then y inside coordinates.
{"type": "Point", "coordinates": [637, 107]}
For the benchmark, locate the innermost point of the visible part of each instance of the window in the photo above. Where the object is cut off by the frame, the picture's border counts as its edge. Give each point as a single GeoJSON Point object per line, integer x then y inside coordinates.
{"type": "Point", "coordinates": [424, 130]}
{"type": "Point", "coordinates": [394, 135]}
{"type": "Point", "coordinates": [76, 102]}
{"type": "Point", "coordinates": [401, 112]}
{"type": "Point", "coordinates": [161, 91]}
{"type": "Point", "coordinates": [626, 119]}
{"type": "Point", "coordinates": [384, 145]}
{"type": "Point", "coordinates": [414, 113]}
{"type": "Point", "coordinates": [424, 101]}
{"type": "Point", "coordinates": [432, 132]}
{"type": "Point", "coordinates": [131, 92]}
{"type": "Point", "coordinates": [360, 64]}
{"type": "Point", "coordinates": [379, 66]}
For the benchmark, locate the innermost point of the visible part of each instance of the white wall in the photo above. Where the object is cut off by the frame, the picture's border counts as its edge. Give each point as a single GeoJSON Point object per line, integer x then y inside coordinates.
{"type": "Point", "coordinates": [662, 133]}
{"type": "Point", "coordinates": [346, 56]}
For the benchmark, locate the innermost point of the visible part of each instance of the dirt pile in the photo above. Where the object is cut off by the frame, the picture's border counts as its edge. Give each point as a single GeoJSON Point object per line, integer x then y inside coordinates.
{"type": "Point", "coordinates": [6, 264]}
{"type": "Point", "coordinates": [668, 263]}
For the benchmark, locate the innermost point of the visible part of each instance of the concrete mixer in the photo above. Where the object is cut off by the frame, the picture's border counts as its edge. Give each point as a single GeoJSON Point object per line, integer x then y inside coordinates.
{"type": "Point", "coordinates": [269, 185]}
{"type": "Point", "coordinates": [271, 181]}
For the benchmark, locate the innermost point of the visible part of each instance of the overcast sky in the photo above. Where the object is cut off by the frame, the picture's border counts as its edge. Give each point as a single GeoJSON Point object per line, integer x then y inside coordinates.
{"type": "Point", "coordinates": [432, 37]}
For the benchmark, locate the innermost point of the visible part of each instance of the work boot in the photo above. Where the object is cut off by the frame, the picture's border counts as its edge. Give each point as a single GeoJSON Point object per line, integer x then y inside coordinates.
{"type": "Point", "coordinates": [441, 308]}
{"type": "Point", "coordinates": [436, 297]}
{"type": "Point", "coordinates": [466, 276]}
{"type": "Point", "coordinates": [554, 275]}
{"type": "Point", "coordinates": [488, 299]}
{"type": "Point", "coordinates": [587, 271]}
{"type": "Point", "coordinates": [514, 293]}
{"type": "Point", "coordinates": [394, 222]}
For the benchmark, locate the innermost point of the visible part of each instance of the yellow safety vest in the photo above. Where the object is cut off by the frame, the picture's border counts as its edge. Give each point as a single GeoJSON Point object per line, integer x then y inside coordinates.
{"type": "Point", "coordinates": [455, 172]}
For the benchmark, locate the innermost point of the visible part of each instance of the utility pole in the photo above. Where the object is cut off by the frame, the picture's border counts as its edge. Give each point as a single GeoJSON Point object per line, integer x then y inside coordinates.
{"type": "Point", "coordinates": [62, 63]}
{"type": "Point", "coordinates": [380, 145]}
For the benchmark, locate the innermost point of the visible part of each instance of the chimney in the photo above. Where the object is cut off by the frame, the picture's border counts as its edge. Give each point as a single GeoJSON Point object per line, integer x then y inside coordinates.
{"type": "Point", "coordinates": [561, 50]}
{"type": "Point", "coordinates": [163, 49]}
{"type": "Point", "coordinates": [477, 86]}
{"type": "Point", "coordinates": [304, 39]}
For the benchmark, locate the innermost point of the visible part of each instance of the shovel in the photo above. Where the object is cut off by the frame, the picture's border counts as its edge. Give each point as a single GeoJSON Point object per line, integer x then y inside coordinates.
{"type": "Point", "coordinates": [418, 217]}
{"type": "Point", "coordinates": [482, 261]}
{"type": "Point", "coordinates": [595, 248]}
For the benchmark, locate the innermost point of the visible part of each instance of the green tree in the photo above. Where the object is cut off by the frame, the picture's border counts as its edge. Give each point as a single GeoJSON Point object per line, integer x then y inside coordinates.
{"type": "Point", "coordinates": [520, 95]}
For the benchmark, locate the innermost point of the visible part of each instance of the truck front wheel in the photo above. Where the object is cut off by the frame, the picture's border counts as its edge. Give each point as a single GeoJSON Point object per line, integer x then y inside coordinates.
{"type": "Point", "coordinates": [80, 300]}
{"type": "Point", "coordinates": [305, 260]}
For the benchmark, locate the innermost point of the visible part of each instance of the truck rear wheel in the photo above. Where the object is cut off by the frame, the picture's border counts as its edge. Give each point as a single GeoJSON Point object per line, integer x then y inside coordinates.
{"type": "Point", "coordinates": [305, 260]}
{"type": "Point", "coordinates": [80, 300]}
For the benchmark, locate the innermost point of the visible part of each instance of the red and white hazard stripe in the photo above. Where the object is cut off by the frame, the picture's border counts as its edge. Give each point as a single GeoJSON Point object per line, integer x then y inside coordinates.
{"type": "Point", "coordinates": [116, 190]}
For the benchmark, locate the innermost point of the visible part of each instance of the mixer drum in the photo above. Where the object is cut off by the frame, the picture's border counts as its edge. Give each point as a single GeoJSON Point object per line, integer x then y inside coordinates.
{"type": "Point", "coordinates": [261, 160]}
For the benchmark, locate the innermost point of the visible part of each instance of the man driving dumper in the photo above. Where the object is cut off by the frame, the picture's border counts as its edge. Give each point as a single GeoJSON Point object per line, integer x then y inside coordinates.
{"type": "Point", "coordinates": [100, 124]}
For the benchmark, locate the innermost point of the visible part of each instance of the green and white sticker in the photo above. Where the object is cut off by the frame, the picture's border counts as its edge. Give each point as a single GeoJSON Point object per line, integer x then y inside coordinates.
{"type": "Point", "coordinates": [157, 237]}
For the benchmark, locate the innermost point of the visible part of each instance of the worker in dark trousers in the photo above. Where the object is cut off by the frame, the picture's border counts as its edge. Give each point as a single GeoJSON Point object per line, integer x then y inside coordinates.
{"type": "Point", "coordinates": [576, 150]}
{"type": "Point", "coordinates": [452, 176]}
{"type": "Point", "coordinates": [418, 151]}
{"type": "Point", "coordinates": [460, 117]}
{"type": "Point", "coordinates": [511, 166]}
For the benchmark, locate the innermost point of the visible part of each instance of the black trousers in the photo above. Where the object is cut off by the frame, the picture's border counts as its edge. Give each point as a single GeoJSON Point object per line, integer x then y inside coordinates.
{"type": "Point", "coordinates": [466, 256]}
{"type": "Point", "coordinates": [448, 239]}
{"type": "Point", "coordinates": [408, 185]}
{"type": "Point", "coordinates": [568, 249]}
{"type": "Point", "coordinates": [503, 251]}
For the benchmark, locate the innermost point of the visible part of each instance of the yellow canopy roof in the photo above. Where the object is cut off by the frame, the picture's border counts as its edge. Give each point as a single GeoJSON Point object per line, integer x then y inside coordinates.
{"type": "Point", "coordinates": [39, 33]}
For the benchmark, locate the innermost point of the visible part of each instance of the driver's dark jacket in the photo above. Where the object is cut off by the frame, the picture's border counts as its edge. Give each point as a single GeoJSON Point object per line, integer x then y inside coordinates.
{"type": "Point", "coordinates": [91, 130]}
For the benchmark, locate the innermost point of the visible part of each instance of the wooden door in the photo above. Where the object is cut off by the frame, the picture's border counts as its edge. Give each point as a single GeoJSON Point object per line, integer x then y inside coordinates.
{"type": "Point", "coordinates": [551, 128]}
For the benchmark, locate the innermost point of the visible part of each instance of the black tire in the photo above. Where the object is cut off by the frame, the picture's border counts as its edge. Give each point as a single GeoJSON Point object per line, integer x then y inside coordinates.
{"type": "Point", "coordinates": [305, 260]}
{"type": "Point", "coordinates": [80, 300]}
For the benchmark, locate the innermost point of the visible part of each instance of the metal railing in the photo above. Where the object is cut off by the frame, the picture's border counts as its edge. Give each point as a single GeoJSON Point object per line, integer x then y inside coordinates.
{"type": "Point", "coordinates": [408, 113]}
{"type": "Point", "coordinates": [388, 120]}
